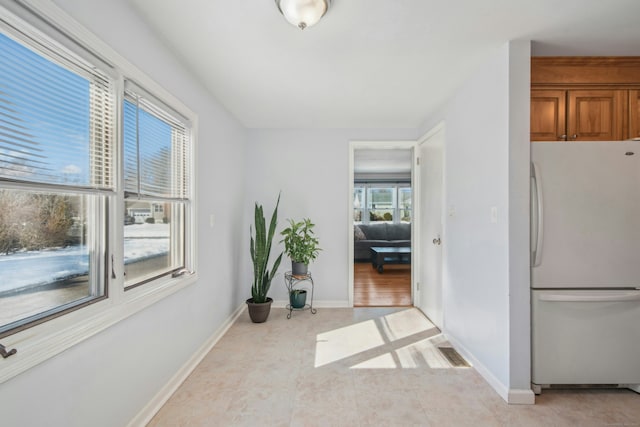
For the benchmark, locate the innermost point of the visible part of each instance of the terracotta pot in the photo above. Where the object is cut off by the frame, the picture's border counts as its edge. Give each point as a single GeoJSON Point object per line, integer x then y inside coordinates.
{"type": "Point", "coordinates": [259, 312]}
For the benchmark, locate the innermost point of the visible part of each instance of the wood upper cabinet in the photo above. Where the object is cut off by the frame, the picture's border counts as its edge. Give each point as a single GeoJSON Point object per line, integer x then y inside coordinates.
{"type": "Point", "coordinates": [578, 115]}
{"type": "Point", "coordinates": [548, 112]}
{"type": "Point", "coordinates": [634, 114]}
{"type": "Point", "coordinates": [595, 115]}
{"type": "Point", "coordinates": [585, 98]}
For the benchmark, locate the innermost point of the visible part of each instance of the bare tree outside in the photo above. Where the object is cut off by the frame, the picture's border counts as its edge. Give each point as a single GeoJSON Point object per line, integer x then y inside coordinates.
{"type": "Point", "coordinates": [34, 221]}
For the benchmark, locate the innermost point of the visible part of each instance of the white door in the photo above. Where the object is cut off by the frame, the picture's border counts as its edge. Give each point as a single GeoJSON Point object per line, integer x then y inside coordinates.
{"type": "Point", "coordinates": [431, 151]}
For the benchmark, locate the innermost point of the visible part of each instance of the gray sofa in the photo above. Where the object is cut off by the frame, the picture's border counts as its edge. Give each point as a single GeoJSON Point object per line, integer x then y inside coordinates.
{"type": "Point", "coordinates": [385, 235]}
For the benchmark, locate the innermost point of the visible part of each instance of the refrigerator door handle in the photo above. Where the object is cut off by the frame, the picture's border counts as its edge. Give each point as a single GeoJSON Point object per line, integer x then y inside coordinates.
{"type": "Point", "coordinates": [537, 209]}
{"type": "Point", "coordinates": [615, 297]}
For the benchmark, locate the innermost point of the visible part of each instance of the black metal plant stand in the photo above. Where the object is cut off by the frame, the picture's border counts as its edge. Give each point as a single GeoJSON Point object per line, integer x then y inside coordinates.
{"type": "Point", "coordinates": [291, 281]}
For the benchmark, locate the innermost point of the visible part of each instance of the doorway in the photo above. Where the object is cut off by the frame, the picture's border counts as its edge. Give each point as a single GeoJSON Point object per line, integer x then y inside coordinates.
{"type": "Point", "coordinates": [381, 219]}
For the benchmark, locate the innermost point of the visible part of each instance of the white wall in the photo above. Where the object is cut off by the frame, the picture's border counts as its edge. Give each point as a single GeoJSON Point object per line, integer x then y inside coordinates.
{"type": "Point", "coordinates": [519, 255]}
{"type": "Point", "coordinates": [485, 279]}
{"type": "Point", "coordinates": [311, 168]}
{"type": "Point", "coordinates": [106, 380]}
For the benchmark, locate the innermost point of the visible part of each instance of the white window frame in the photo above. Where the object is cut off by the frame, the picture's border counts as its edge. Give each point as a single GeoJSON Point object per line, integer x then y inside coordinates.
{"type": "Point", "coordinates": [367, 186]}
{"type": "Point", "coordinates": [38, 343]}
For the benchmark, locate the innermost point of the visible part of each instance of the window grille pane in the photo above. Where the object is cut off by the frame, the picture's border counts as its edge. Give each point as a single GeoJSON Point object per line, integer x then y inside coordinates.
{"type": "Point", "coordinates": [381, 203]}
{"type": "Point", "coordinates": [405, 203]}
{"type": "Point", "coordinates": [56, 124]}
{"type": "Point", "coordinates": [358, 203]}
{"type": "Point", "coordinates": [46, 262]}
{"type": "Point", "coordinates": [153, 239]}
{"type": "Point", "coordinates": [156, 151]}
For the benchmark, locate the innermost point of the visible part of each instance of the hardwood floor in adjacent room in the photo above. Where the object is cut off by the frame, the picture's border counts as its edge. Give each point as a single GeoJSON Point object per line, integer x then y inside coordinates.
{"type": "Point", "coordinates": [392, 288]}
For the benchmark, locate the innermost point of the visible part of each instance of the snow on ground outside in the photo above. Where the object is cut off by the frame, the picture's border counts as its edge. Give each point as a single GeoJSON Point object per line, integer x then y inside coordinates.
{"type": "Point", "coordinates": [36, 268]}
{"type": "Point", "coordinates": [146, 230]}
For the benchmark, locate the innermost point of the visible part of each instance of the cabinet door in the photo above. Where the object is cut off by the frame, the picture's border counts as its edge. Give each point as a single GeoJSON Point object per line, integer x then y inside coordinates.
{"type": "Point", "coordinates": [634, 114]}
{"type": "Point", "coordinates": [595, 115]}
{"type": "Point", "coordinates": [548, 115]}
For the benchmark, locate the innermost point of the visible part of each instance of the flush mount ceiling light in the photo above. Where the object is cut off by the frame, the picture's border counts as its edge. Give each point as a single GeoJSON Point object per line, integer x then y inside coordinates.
{"type": "Point", "coordinates": [303, 13]}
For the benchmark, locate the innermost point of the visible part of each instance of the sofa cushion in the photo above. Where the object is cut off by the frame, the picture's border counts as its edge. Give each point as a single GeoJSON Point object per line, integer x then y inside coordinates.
{"type": "Point", "coordinates": [399, 231]}
{"type": "Point", "coordinates": [358, 234]}
{"type": "Point", "coordinates": [375, 231]}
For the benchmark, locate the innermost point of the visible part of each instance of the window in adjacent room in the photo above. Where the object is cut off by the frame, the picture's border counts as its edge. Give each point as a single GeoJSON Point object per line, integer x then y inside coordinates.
{"type": "Point", "coordinates": [382, 202]}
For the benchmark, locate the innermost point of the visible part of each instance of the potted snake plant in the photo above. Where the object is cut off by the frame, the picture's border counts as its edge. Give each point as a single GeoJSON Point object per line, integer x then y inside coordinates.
{"type": "Point", "coordinates": [259, 304]}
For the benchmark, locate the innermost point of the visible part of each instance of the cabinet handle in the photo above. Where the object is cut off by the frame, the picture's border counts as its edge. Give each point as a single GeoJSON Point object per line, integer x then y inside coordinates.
{"type": "Point", "coordinates": [562, 137]}
{"type": "Point", "coordinates": [574, 136]}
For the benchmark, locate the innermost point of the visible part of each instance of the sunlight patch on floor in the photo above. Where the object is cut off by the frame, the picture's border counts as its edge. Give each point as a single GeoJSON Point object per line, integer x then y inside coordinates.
{"type": "Point", "coordinates": [384, 343]}
{"type": "Point", "coordinates": [384, 361]}
{"type": "Point", "coordinates": [423, 352]}
{"type": "Point", "coordinates": [342, 343]}
{"type": "Point", "coordinates": [404, 323]}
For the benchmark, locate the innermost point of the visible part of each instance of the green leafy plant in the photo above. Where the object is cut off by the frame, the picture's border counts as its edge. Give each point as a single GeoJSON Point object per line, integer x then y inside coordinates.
{"type": "Point", "coordinates": [260, 251]}
{"type": "Point", "coordinates": [300, 244]}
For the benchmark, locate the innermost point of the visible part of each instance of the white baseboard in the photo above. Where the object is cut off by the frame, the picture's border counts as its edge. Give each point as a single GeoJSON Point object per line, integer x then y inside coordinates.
{"type": "Point", "coordinates": [151, 408]}
{"type": "Point", "coordinates": [521, 397]}
{"type": "Point", "coordinates": [316, 304]}
{"type": "Point", "coordinates": [511, 396]}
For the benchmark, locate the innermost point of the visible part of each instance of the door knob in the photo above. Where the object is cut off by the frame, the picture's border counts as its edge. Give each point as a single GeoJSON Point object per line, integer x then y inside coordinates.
{"type": "Point", "coordinates": [436, 241]}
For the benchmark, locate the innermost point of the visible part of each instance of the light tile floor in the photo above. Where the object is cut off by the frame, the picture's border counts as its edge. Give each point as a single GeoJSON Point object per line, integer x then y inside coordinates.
{"type": "Point", "coordinates": [362, 367]}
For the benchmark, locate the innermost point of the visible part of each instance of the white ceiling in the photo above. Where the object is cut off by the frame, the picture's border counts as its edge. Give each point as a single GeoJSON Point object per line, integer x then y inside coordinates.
{"type": "Point", "coordinates": [370, 63]}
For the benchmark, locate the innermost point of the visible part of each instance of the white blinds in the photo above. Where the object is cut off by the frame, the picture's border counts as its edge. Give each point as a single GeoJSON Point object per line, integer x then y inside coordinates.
{"type": "Point", "coordinates": [56, 117]}
{"type": "Point", "coordinates": [156, 148]}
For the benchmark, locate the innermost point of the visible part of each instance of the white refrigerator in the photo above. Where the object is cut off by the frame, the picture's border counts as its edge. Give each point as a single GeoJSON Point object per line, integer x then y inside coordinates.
{"type": "Point", "coordinates": [585, 263]}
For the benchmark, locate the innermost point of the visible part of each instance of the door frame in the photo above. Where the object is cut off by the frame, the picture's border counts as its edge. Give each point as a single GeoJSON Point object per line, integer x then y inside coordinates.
{"type": "Point", "coordinates": [380, 145]}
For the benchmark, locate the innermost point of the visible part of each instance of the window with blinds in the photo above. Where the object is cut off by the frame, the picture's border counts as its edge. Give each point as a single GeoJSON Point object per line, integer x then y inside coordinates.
{"type": "Point", "coordinates": [57, 118]}
{"type": "Point", "coordinates": [156, 144]}
{"type": "Point", "coordinates": [56, 174]}
{"type": "Point", "coordinates": [156, 175]}
{"type": "Point", "coordinates": [95, 186]}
